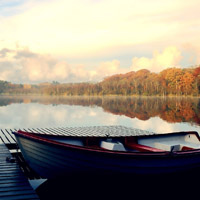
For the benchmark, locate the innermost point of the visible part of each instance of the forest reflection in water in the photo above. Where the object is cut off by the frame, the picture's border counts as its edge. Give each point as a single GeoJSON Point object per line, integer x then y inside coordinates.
{"type": "Point", "coordinates": [169, 109]}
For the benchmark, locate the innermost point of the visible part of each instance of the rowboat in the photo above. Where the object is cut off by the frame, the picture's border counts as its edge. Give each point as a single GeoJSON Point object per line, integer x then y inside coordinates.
{"type": "Point", "coordinates": [111, 150]}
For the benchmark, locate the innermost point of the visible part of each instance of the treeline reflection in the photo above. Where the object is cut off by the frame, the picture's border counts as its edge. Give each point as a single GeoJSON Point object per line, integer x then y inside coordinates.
{"type": "Point", "coordinates": [170, 109]}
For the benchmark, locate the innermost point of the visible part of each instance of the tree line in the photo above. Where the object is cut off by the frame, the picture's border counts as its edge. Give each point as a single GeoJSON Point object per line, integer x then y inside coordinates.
{"type": "Point", "coordinates": [171, 81]}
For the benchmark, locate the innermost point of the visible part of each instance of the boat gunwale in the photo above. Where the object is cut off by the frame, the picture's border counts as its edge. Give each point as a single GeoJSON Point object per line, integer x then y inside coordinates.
{"type": "Point", "coordinates": [37, 137]}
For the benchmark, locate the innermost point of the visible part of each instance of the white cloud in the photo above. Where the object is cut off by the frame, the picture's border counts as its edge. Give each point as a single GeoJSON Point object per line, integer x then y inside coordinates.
{"type": "Point", "coordinates": [22, 65]}
{"type": "Point", "coordinates": [109, 68]}
{"type": "Point", "coordinates": [60, 71]}
{"type": "Point", "coordinates": [5, 74]}
{"type": "Point", "coordinates": [170, 57]}
{"type": "Point", "coordinates": [193, 50]}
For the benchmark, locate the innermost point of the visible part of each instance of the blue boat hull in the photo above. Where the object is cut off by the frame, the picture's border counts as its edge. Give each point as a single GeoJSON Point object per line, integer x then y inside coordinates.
{"type": "Point", "coordinates": [53, 160]}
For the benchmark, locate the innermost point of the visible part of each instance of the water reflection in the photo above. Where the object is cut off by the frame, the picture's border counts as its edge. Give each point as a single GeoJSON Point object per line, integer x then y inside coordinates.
{"type": "Point", "coordinates": [155, 114]}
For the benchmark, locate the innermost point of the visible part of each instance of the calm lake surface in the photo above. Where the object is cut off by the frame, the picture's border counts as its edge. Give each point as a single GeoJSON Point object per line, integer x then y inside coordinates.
{"type": "Point", "coordinates": [155, 114]}
{"type": "Point", "coordinates": [148, 113]}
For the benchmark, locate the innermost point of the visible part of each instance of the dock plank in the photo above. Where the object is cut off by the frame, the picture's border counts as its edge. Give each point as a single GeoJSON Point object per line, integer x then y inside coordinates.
{"type": "Point", "coordinates": [15, 188]}
{"type": "Point", "coordinates": [94, 131]}
{"type": "Point", "coordinates": [45, 131]}
{"type": "Point", "coordinates": [48, 131]}
{"type": "Point", "coordinates": [13, 183]}
{"type": "Point", "coordinates": [38, 131]}
{"type": "Point", "coordinates": [3, 137]}
{"type": "Point", "coordinates": [8, 136]}
{"type": "Point", "coordinates": [16, 193]}
{"type": "Point", "coordinates": [53, 131]}
{"type": "Point", "coordinates": [20, 197]}
{"type": "Point", "coordinates": [14, 180]}
{"type": "Point", "coordinates": [12, 137]}
{"type": "Point", "coordinates": [1, 141]}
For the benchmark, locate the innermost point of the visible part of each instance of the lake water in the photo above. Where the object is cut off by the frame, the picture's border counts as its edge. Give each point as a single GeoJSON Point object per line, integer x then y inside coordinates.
{"type": "Point", "coordinates": [148, 113]}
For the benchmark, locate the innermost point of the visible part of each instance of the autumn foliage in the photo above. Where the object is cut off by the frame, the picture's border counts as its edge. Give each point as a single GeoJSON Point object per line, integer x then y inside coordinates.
{"type": "Point", "coordinates": [171, 81]}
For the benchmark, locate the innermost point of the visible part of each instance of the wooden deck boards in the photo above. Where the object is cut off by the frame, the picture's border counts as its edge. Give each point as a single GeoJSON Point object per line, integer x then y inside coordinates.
{"type": "Point", "coordinates": [94, 131]}
{"type": "Point", "coordinates": [13, 184]}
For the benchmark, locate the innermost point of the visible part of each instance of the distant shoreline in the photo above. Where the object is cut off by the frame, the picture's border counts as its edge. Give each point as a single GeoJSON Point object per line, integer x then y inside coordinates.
{"type": "Point", "coordinates": [99, 96]}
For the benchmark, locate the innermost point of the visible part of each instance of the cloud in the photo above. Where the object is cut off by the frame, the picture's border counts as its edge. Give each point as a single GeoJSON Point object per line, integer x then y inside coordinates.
{"type": "Point", "coordinates": [20, 65]}
{"type": "Point", "coordinates": [193, 53]}
{"type": "Point", "coordinates": [170, 57]}
{"type": "Point", "coordinates": [4, 52]}
{"type": "Point", "coordinates": [109, 68]}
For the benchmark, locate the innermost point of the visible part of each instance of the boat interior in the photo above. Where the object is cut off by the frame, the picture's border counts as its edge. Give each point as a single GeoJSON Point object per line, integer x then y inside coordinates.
{"type": "Point", "coordinates": [178, 141]}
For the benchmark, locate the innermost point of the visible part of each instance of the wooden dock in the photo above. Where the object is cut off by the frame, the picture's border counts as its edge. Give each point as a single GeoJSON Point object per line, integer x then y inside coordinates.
{"type": "Point", "coordinates": [114, 131]}
{"type": "Point", "coordinates": [13, 183]}
{"type": "Point", "coordinates": [14, 172]}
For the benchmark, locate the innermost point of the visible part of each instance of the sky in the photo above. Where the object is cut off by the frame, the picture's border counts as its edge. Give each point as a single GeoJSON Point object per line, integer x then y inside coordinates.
{"type": "Point", "coordinates": [87, 40]}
